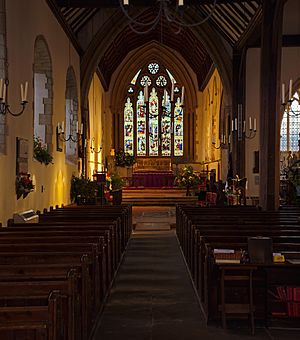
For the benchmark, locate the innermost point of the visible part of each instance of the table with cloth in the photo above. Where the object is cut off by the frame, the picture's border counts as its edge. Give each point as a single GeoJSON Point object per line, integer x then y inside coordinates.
{"type": "Point", "coordinates": [153, 179]}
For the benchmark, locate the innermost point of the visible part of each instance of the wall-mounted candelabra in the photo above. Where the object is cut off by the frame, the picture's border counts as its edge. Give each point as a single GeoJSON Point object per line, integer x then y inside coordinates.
{"type": "Point", "coordinates": [4, 106]}
{"type": "Point", "coordinates": [292, 105]}
{"type": "Point", "coordinates": [93, 150]}
{"type": "Point", "coordinates": [242, 127]}
{"type": "Point", "coordinates": [223, 142]}
{"type": "Point", "coordinates": [75, 135]}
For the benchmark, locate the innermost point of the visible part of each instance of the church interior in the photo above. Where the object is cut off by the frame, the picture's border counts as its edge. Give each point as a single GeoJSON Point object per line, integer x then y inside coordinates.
{"type": "Point", "coordinates": [150, 161]}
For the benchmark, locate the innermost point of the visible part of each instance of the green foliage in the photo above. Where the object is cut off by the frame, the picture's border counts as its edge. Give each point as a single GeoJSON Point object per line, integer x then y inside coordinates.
{"type": "Point", "coordinates": [40, 152]}
{"type": "Point", "coordinates": [124, 159]}
{"type": "Point", "coordinates": [82, 188]}
{"type": "Point", "coordinates": [117, 182]}
{"type": "Point", "coordinates": [187, 178]}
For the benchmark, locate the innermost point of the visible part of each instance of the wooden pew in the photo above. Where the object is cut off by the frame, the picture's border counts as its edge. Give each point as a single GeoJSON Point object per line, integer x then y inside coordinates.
{"type": "Point", "coordinates": [33, 322]}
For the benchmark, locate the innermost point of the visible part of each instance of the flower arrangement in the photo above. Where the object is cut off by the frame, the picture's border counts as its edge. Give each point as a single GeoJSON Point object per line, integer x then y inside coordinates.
{"type": "Point", "coordinates": [40, 152]}
{"type": "Point", "coordinates": [124, 159]}
{"type": "Point", "coordinates": [187, 178]}
{"type": "Point", "coordinates": [83, 190]}
{"type": "Point", "coordinates": [24, 185]}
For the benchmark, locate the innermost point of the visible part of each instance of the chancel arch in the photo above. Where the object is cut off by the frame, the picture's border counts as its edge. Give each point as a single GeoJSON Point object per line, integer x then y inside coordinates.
{"type": "Point", "coordinates": [173, 65]}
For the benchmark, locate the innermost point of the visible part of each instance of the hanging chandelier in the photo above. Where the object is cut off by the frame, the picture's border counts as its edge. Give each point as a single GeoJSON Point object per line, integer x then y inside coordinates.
{"type": "Point", "coordinates": [173, 14]}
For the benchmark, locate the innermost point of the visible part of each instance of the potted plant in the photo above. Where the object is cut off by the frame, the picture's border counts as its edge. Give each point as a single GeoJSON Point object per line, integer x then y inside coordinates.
{"type": "Point", "coordinates": [83, 190]}
{"type": "Point", "coordinates": [186, 178]}
{"type": "Point", "coordinates": [124, 159]}
{"type": "Point", "coordinates": [41, 152]}
{"type": "Point", "coordinates": [117, 183]}
{"type": "Point", "coordinates": [24, 185]}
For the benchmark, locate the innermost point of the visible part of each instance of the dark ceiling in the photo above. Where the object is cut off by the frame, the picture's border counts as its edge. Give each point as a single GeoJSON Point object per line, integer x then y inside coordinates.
{"type": "Point", "coordinates": [231, 20]}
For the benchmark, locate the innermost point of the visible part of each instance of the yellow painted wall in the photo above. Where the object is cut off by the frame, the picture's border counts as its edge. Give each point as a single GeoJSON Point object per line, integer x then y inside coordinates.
{"type": "Point", "coordinates": [97, 132]}
{"type": "Point", "coordinates": [207, 124]}
{"type": "Point", "coordinates": [25, 21]}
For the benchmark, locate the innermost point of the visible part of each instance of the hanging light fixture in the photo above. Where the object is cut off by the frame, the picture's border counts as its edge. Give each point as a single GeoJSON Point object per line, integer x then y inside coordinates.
{"type": "Point", "coordinates": [173, 15]}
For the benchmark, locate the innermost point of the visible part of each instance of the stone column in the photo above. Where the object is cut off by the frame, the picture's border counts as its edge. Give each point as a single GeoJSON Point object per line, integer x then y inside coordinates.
{"type": "Point", "coordinates": [270, 103]}
{"type": "Point", "coordinates": [3, 74]}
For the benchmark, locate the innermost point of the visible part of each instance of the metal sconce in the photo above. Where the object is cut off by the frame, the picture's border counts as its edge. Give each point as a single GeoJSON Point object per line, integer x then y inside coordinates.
{"type": "Point", "coordinates": [93, 150]}
{"type": "Point", "coordinates": [4, 106]}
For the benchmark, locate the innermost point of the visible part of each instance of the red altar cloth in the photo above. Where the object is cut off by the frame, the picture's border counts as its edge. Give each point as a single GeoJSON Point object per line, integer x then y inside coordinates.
{"type": "Point", "coordinates": [153, 179]}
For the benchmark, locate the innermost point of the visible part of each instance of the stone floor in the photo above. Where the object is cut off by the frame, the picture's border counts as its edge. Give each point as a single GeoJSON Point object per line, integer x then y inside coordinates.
{"type": "Point", "coordinates": [153, 298]}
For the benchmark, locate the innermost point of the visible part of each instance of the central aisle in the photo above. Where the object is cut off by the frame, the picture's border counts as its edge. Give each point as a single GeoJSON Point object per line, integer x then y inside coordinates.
{"type": "Point", "coordinates": [153, 298]}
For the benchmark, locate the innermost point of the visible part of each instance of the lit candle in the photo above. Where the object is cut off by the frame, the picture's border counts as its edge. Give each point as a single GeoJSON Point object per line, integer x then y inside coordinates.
{"type": "Point", "coordinates": [250, 123]}
{"type": "Point", "coordinates": [232, 125]}
{"type": "Point", "coordinates": [172, 90]}
{"type": "Point", "coordinates": [26, 91]}
{"type": "Point", "coordinates": [182, 95]}
{"type": "Point", "coordinates": [254, 125]}
{"type": "Point", "coordinates": [22, 93]}
{"type": "Point", "coordinates": [1, 88]}
{"type": "Point", "coordinates": [4, 92]}
{"type": "Point", "coordinates": [81, 129]}
{"type": "Point", "coordinates": [235, 124]}
{"type": "Point", "coordinates": [283, 94]}
{"type": "Point", "coordinates": [290, 89]}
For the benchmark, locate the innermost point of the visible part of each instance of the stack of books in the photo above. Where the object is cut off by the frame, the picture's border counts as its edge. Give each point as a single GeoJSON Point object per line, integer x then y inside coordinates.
{"type": "Point", "coordinates": [227, 256]}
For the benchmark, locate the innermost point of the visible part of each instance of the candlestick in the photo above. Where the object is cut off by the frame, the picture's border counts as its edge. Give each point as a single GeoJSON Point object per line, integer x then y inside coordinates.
{"type": "Point", "coordinates": [1, 87]}
{"type": "Point", "coordinates": [290, 89]}
{"type": "Point", "coordinates": [22, 93]}
{"type": "Point", "coordinates": [26, 91]}
{"type": "Point", "coordinates": [283, 94]}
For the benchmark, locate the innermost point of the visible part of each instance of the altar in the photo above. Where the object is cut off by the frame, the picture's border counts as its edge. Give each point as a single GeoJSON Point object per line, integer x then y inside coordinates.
{"type": "Point", "coordinates": [153, 173]}
{"type": "Point", "coordinates": [153, 179]}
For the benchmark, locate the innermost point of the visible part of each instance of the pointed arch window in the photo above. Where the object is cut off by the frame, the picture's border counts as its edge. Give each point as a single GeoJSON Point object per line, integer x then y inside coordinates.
{"type": "Point", "coordinates": [153, 124]}
{"type": "Point", "coordinates": [290, 127]}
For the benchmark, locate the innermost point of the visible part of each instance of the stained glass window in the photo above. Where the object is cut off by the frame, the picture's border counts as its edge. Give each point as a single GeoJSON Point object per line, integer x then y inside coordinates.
{"type": "Point", "coordinates": [128, 127]}
{"type": "Point", "coordinates": [153, 68]}
{"type": "Point", "coordinates": [141, 123]}
{"type": "Point", "coordinates": [166, 121]}
{"type": "Point", "coordinates": [153, 124]}
{"type": "Point", "coordinates": [178, 129]}
{"type": "Point", "coordinates": [290, 127]}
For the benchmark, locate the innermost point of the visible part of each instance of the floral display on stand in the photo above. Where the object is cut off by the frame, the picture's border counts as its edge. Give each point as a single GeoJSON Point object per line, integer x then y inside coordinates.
{"type": "Point", "coordinates": [24, 185]}
{"type": "Point", "coordinates": [187, 178]}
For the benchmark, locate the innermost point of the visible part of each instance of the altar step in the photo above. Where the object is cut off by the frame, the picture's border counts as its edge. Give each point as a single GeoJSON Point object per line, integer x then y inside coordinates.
{"type": "Point", "coordinates": [157, 196]}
